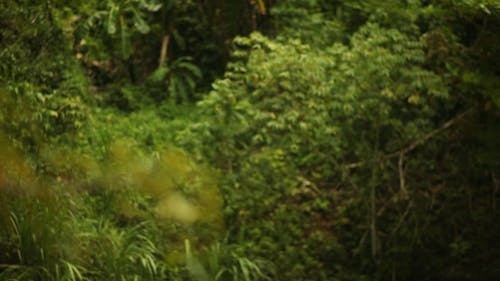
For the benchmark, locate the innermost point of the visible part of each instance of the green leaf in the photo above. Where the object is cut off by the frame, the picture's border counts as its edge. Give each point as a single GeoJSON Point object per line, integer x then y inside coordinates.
{"type": "Point", "coordinates": [179, 40]}
{"type": "Point", "coordinates": [112, 14]}
{"type": "Point", "coordinates": [53, 113]}
{"type": "Point", "coordinates": [193, 69]}
{"type": "Point", "coordinates": [160, 74]}
{"type": "Point", "coordinates": [139, 23]}
{"type": "Point", "coordinates": [151, 6]}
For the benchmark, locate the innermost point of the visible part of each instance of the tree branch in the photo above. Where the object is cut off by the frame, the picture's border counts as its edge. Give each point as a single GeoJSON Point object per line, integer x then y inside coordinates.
{"type": "Point", "coordinates": [412, 145]}
{"type": "Point", "coordinates": [164, 50]}
{"type": "Point", "coordinates": [402, 176]}
{"type": "Point", "coordinates": [2, 265]}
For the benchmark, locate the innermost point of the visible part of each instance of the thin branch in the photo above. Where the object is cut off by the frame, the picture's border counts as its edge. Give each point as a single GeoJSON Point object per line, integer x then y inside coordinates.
{"type": "Point", "coordinates": [402, 218]}
{"type": "Point", "coordinates": [402, 184]}
{"type": "Point", "coordinates": [413, 145]}
{"type": "Point", "coordinates": [2, 265]}
{"type": "Point", "coordinates": [164, 50]}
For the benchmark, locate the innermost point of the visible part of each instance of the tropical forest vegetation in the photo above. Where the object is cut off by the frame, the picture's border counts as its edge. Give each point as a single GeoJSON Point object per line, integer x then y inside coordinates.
{"type": "Point", "coordinates": [250, 140]}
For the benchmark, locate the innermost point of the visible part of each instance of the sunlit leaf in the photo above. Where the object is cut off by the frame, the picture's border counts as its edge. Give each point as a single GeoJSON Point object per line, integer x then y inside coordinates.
{"type": "Point", "coordinates": [139, 23]}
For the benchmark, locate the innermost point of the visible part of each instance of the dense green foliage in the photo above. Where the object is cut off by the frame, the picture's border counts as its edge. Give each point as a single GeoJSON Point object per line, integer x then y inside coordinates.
{"type": "Point", "coordinates": [249, 140]}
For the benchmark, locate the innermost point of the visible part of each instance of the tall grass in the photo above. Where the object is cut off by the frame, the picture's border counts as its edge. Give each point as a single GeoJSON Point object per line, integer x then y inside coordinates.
{"type": "Point", "coordinates": [71, 217]}
{"type": "Point", "coordinates": [39, 240]}
{"type": "Point", "coordinates": [222, 262]}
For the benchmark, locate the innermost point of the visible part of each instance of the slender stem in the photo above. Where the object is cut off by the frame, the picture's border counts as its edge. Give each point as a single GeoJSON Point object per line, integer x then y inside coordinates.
{"type": "Point", "coordinates": [402, 184]}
